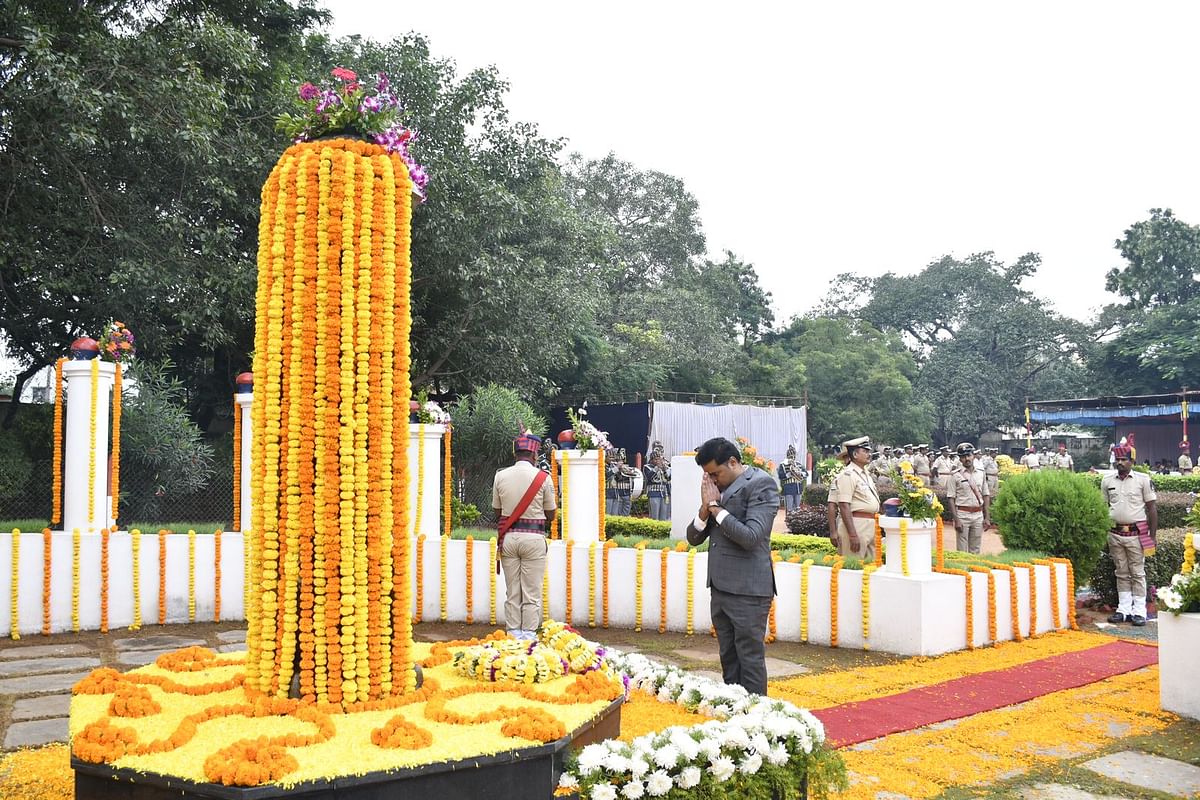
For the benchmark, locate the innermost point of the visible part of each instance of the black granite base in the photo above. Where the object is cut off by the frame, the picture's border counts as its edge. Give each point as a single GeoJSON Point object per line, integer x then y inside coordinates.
{"type": "Point", "coordinates": [528, 774]}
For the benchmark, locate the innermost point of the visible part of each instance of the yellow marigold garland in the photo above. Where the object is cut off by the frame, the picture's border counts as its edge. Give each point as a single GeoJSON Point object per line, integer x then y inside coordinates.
{"type": "Point", "coordinates": [772, 630]}
{"type": "Point", "coordinates": [470, 582]}
{"type": "Point", "coordinates": [191, 534]}
{"type": "Point", "coordinates": [866, 604]}
{"type": "Point", "coordinates": [600, 482]}
{"type": "Point", "coordinates": [420, 477]}
{"type": "Point", "coordinates": [1189, 553]}
{"type": "Point", "coordinates": [417, 615]}
{"type": "Point", "coordinates": [217, 576]}
{"type": "Point", "coordinates": [104, 580]}
{"type": "Point", "coordinates": [592, 584]}
{"type": "Point", "coordinates": [878, 542]}
{"type": "Point", "coordinates": [562, 529]}
{"type": "Point", "coordinates": [1012, 599]}
{"type": "Point", "coordinates": [941, 548]}
{"type": "Point", "coordinates": [1032, 596]}
{"type": "Point", "coordinates": [608, 545]}
{"type": "Point", "coordinates": [808, 562]}
{"type": "Point", "coordinates": [1054, 614]}
{"type": "Point", "coordinates": [443, 614]}
{"type": "Point", "coordinates": [554, 483]}
{"type": "Point", "coordinates": [545, 593]}
{"type": "Point", "coordinates": [568, 617]}
{"type": "Point", "coordinates": [991, 595]}
{"type": "Point", "coordinates": [833, 597]}
{"type": "Point", "coordinates": [92, 427]}
{"type": "Point", "coordinates": [904, 545]}
{"type": "Point", "coordinates": [135, 541]}
{"type": "Point", "coordinates": [691, 588]}
{"type": "Point", "coordinates": [46, 551]}
{"type": "Point", "coordinates": [56, 513]}
{"type": "Point", "coordinates": [970, 601]}
{"type": "Point", "coordinates": [639, 573]}
{"type": "Point", "coordinates": [14, 583]}
{"type": "Point", "coordinates": [116, 443]}
{"type": "Point", "coordinates": [237, 466]}
{"type": "Point", "coordinates": [75, 580]}
{"type": "Point", "coordinates": [1071, 621]}
{"type": "Point", "coordinates": [162, 577]}
{"type": "Point", "coordinates": [492, 582]}
{"type": "Point", "coordinates": [447, 479]}
{"type": "Point", "coordinates": [662, 577]}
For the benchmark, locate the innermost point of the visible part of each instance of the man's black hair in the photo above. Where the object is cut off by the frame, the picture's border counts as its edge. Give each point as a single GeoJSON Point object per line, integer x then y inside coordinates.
{"type": "Point", "coordinates": [719, 450]}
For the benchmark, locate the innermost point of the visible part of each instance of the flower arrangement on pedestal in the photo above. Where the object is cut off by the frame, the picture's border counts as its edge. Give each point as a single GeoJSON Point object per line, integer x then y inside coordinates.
{"type": "Point", "coordinates": [585, 435]}
{"type": "Point", "coordinates": [116, 343]}
{"type": "Point", "coordinates": [1183, 595]}
{"type": "Point", "coordinates": [917, 501]}
{"type": "Point", "coordinates": [752, 458]}
{"type": "Point", "coordinates": [354, 108]}
{"type": "Point", "coordinates": [428, 411]}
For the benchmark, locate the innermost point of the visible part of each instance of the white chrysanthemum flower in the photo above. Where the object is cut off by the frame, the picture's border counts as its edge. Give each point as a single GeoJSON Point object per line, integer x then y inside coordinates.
{"type": "Point", "coordinates": [603, 791]}
{"type": "Point", "coordinates": [666, 756]}
{"type": "Point", "coordinates": [638, 766]}
{"type": "Point", "coordinates": [710, 748]}
{"type": "Point", "coordinates": [591, 758]}
{"type": "Point", "coordinates": [751, 764]}
{"type": "Point", "coordinates": [616, 763]}
{"type": "Point", "coordinates": [722, 768]}
{"type": "Point", "coordinates": [633, 790]}
{"type": "Point", "coordinates": [567, 781]}
{"type": "Point", "coordinates": [658, 783]}
{"type": "Point", "coordinates": [688, 747]}
{"type": "Point", "coordinates": [736, 737]}
{"type": "Point", "coordinates": [778, 755]}
{"type": "Point", "coordinates": [760, 744]}
{"type": "Point", "coordinates": [689, 777]}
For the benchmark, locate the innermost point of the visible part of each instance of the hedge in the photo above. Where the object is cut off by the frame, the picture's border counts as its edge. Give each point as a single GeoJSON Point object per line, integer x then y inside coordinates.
{"type": "Point", "coordinates": [802, 543]}
{"type": "Point", "coordinates": [1162, 483]}
{"type": "Point", "coordinates": [636, 526]}
{"type": "Point", "coordinates": [1165, 562]}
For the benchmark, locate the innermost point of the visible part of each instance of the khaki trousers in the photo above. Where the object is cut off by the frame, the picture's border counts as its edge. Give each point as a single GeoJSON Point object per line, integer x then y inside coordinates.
{"type": "Point", "coordinates": [865, 528]}
{"type": "Point", "coordinates": [524, 563]}
{"type": "Point", "coordinates": [1130, 564]}
{"type": "Point", "coordinates": [970, 536]}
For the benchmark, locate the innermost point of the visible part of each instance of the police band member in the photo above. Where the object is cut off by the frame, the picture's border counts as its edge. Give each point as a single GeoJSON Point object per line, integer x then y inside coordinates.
{"type": "Point", "coordinates": [658, 483]}
{"type": "Point", "coordinates": [857, 501]}
{"type": "Point", "coordinates": [968, 500]}
{"type": "Point", "coordinates": [618, 486]}
{"type": "Point", "coordinates": [792, 477]}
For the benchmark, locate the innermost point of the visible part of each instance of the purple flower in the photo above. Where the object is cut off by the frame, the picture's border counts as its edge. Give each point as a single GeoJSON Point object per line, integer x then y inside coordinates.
{"type": "Point", "coordinates": [309, 92]}
{"type": "Point", "coordinates": [382, 83]}
{"type": "Point", "coordinates": [328, 100]}
{"type": "Point", "coordinates": [370, 105]}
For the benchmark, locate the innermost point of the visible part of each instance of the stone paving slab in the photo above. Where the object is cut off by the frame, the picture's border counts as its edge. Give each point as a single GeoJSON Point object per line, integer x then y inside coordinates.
{"type": "Point", "coordinates": [708, 673]}
{"type": "Point", "coordinates": [232, 636]}
{"type": "Point", "coordinates": [38, 665]}
{"type": "Point", "coordinates": [430, 636]}
{"type": "Point", "coordinates": [140, 658]}
{"type": "Point", "coordinates": [33, 734]}
{"type": "Point", "coordinates": [234, 647]}
{"type": "Point", "coordinates": [1059, 791]}
{"type": "Point", "coordinates": [44, 651]}
{"type": "Point", "coordinates": [698, 654]}
{"type": "Point", "coordinates": [41, 684]}
{"type": "Point", "coordinates": [56, 705]}
{"type": "Point", "coordinates": [778, 668]}
{"type": "Point", "coordinates": [1149, 772]}
{"type": "Point", "coordinates": [158, 641]}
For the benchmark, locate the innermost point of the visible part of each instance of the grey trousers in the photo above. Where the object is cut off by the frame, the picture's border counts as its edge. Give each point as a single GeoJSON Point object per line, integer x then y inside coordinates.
{"type": "Point", "coordinates": [791, 501]}
{"type": "Point", "coordinates": [660, 507]}
{"type": "Point", "coordinates": [524, 563]}
{"type": "Point", "coordinates": [610, 502]}
{"type": "Point", "coordinates": [970, 536]}
{"type": "Point", "coordinates": [741, 623]}
{"type": "Point", "coordinates": [624, 504]}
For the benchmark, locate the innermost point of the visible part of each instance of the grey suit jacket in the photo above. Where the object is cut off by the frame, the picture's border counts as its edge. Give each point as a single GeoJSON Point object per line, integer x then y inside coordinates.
{"type": "Point", "coordinates": [739, 555]}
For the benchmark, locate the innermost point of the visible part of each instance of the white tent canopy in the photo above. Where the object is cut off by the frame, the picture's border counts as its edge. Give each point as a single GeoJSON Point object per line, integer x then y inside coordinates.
{"type": "Point", "coordinates": [683, 427]}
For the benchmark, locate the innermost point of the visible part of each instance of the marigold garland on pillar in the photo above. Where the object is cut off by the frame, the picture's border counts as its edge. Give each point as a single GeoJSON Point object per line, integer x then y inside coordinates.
{"type": "Point", "coordinates": [833, 598]}
{"type": "Point", "coordinates": [808, 562]}
{"type": "Point", "coordinates": [217, 576]}
{"type": "Point", "coordinates": [970, 601]}
{"type": "Point", "coordinates": [1012, 599]}
{"type": "Point", "coordinates": [771, 623]}
{"type": "Point", "coordinates": [75, 580]}
{"type": "Point", "coordinates": [878, 542]}
{"type": "Point", "coordinates": [56, 513]}
{"type": "Point", "coordinates": [608, 545]}
{"type": "Point", "coordinates": [1054, 615]}
{"type": "Point", "coordinates": [420, 570]}
{"type": "Point", "coordinates": [470, 582]}
{"type": "Point", "coordinates": [116, 443]}
{"type": "Point", "coordinates": [92, 427]}
{"type": "Point", "coordinates": [566, 473]}
{"type": "Point", "coordinates": [14, 583]}
{"type": "Point", "coordinates": [1066, 562]}
{"type": "Point", "coordinates": [554, 468]}
{"type": "Point", "coordinates": [691, 588]}
{"type": "Point", "coordinates": [46, 549]}
{"type": "Point", "coordinates": [639, 574]}
{"type": "Point", "coordinates": [420, 477]}
{"type": "Point", "coordinates": [162, 577]}
{"type": "Point", "coordinates": [991, 595]}
{"type": "Point", "coordinates": [237, 467]}
{"type": "Point", "coordinates": [442, 614]}
{"type": "Point", "coordinates": [329, 589]}
{"type": "Point", "coordinates": [662, 578]}
{"type": "Point", "coordinates": [104, 580]}
{"type": "Point", "coordinates": [135, 542]}
{"type": "Point", "coordinates": [447, 480]}
{"type": "Point", "coordinates": [904, 545]}
{"type": "Point", "coordinates": [567, 552]}
{"type": "Point", "coordinates": [941, 548]}
{"type": "Point", "coordinates": [592, 584]}
{"type": "Point", "coordinates": [191, 534]}
{"type": "Point", "coordinates": [600, 482]}
{"type": "Point", "coordinates": [1032, 596]}
{"type": "Point", "coordinates": [866, 604]}
{"type": "Point", "coordinates": [545, 593]}
{"type": "Point", "coordinates": [492, 583]}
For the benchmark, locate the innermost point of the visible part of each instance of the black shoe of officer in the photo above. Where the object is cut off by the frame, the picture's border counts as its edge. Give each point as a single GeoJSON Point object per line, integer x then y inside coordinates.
{"type": "Point", "coordinates": [1138, 622]}
{"type": "Point", "coordinates": [1118, 617]}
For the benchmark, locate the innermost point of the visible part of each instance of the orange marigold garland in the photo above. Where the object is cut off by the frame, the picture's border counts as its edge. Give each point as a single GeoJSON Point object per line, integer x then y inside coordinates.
{"type": "Point", "coordinates": [833, 601]}
{"type": "Point", "coordinates": [1032, 596]}
{"type": "Point", "coordinates": [970, 601]}
{"type": "Point", "coordinates": [662, 583]}
{"type": "Point", "coordinates": [46, 549]}
{"type": "Point", "coordinates": [879, 542]}
{"type": "Point", "coordinates": [104, 580]}
{"type": "Point", "coordinates": [941, 548]}
{"type": "Point", "coordinates": [162, 577]}
{"type": "Point", "coordinates": [116, 443]}
{"type": "Point", "coordinates": [135, 542]}
{"type": "Point", "coordinates": [1054, 614]}
{"type": "Point", "coordinates": [1013, 600]}
{"type": "Point", "coordinates": [1071, 621]}
{"type": "Point", "coordinates": [991, 607]}
{"type": "Point", "coordinates": [56, 513]}
{"type": "Point", "coordinates": [600, 482]}
{"type": "Point", "coordinates": [470, 558]}
{"type": "Point", "coordinates": [14, 584]}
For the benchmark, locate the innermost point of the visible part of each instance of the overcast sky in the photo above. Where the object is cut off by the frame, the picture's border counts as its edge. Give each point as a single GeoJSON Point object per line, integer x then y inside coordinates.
{"type": "Point", "coordinates": [867, 137]}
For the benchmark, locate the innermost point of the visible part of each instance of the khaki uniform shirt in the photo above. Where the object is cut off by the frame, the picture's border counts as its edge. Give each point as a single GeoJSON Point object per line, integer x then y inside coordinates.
{"type": "Point", "coordinates": [967, 487]}
{"type": "Point", "coordinates": [510, 486]}
{"type": "Point", "coordinates": [921, 465]}
{"type": "Point", "coordinates": [990, 467]}
{"type": "Point", "coordinates": [943, 465]}
{"type": "Point", "coordinates": [855, 487]}
{"type": "Point", "coordinates": [1185, 463]}
{"type": "Point", "coordinates": [1127, 498]}
{"type": "Point", "coordinates": [1032, 461]}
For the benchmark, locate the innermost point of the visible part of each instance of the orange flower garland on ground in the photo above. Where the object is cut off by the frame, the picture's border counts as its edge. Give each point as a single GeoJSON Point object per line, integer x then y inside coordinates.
{"type": "Point", "coordinates": [331, 345]}
{"type": "Point", "coordinates": [46, 548]}
{"type": "Point", "coordinates": [116, 443]}
{"type": "Point", "coordinates": [56, 513]}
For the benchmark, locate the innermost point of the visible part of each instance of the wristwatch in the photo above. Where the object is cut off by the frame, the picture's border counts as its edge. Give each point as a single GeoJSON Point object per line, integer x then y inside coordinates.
{"type": "Point", "coordinates": [714, 504]}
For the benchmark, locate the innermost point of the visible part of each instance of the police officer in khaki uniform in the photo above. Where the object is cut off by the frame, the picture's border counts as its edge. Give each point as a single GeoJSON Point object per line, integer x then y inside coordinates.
{"type": "Point", "coordinates": [857, 501]}
{"type": "Point", "coordinates": [1133, 507]}
{"type": "Point", "coordinates": [1185, 460]}
{"type": "Point", "coordinates": [942, 466]}
{"type": "Point", "coordinates": [1062, 459]}
{"type": "Point", "coordinates": [880, 470]}
{"type": "Point", "coordinates": [991, 469]}
{"type": "Point", "coordinates": [968, 500]}
{"type": "Point", "coordinates": [920, 463]}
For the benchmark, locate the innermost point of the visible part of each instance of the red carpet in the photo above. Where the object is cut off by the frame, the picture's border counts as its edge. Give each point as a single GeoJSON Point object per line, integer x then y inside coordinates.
{"type": "Point", "coordinates": [852, 723]}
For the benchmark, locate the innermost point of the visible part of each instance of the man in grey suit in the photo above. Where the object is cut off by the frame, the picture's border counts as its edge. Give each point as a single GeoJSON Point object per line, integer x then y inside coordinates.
{"type": "Point", "coordinates": [737, 508]}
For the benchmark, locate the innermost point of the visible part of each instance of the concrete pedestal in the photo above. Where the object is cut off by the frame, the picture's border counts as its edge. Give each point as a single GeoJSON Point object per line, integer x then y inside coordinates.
{"type": "Point", "coordinates": [429, 472]}
{"type": "Point", "coordinates": [919, 546]}
{"type": "Point", "coordinates": [1178, 657]}
{"type": "Point", "coordinates": [685, 493]}
{"type": "Point", "coordinates": [581, 521]}
{"type": "Point", "coordinates": [85, 455]}
{"type": "Point", "coordinates": [245, 452]}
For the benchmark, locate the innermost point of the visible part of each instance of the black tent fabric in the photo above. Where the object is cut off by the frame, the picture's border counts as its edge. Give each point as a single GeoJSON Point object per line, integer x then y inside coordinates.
{"type": "Point", "coordinates": [627, 424]}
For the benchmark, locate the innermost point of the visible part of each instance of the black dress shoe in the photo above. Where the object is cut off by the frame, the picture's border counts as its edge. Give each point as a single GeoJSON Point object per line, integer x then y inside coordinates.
{"type": "Point", "coordinates": [1118, 617]}
{"type": "Point", "coordinates": [1138, 621]}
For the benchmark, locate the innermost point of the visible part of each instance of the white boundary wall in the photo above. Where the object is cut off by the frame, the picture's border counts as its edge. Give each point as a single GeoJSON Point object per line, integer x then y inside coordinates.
{"type": "Point", "coordinates": [911, 616]}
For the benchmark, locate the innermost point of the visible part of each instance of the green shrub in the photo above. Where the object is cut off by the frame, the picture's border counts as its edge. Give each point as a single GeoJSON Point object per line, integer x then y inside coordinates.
{"type": "Point", "coordinates": [807, 519]}
{"type": "Point", "coordinates": [462, 515]}
{"type": "Point", "coordinates": [485, 423]}
{"type": "Point", "coordinates": [636, 526]}
{"type": "Point", "coordinates": [1167, 558]}
{"type": "Point", "coordinates": [1056, 512]}
{"type": "Point", "coordinates": [641, 506]}
{"type": "Point", "coordinates": [801, 542]}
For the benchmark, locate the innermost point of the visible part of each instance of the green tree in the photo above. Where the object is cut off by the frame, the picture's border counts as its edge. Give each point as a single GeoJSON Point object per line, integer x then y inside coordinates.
{"type": "Point", "coordinates": [485, 423]}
